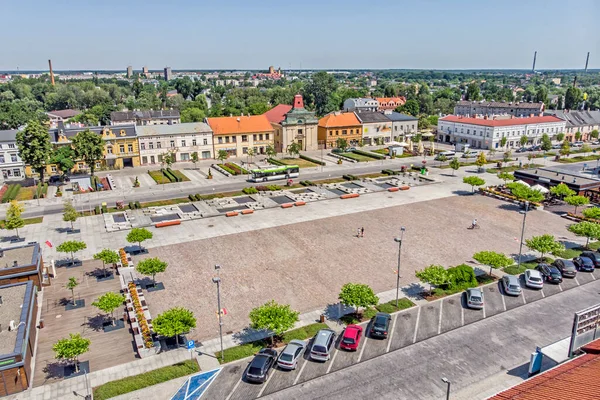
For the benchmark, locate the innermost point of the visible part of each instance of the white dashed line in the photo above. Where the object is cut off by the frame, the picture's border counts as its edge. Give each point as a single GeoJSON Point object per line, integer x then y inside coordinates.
{"type": "Point", "coordinates": [417, 325]}
{"type": "Point", "coordinates": [363, 349]}
{"type": "Point", "coordinates": [576, 281]}
{"type": "Point", "coordinates": [300, 373]}
{"type": "Point", "coordinates": [331, 361]}
{"type": "Point", "coordinates": [560, 287]}
{"type": "Point", "coordinates": [483, 309]}
{"type": "Point", "coordinates": [233, 391]}
{"type": "Point", "coordinates": [391, 334]}
{"type": "Point", "coordinates": [440, 319]}
{"type": "Point", "coordinates": [523, 296]}
{"type": "Point", "coordinates": [462, 316]}
{"type": "Point", "coordinates": [503, 301]}
{"type": "Point", "coordinates": [593, 277]}
{"type": "Point", "coordinates": [264, 386]}
{"type": "Point", "coordinates": [543, 295]}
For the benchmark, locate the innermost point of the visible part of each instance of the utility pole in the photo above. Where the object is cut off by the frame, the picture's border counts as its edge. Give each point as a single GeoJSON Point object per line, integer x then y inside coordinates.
{"type": "Point", "coordinates": [217, 280]}
{"type": "Point", "coordinates": [522, 232]}
{"type": "Point", "coordinates": [399, 241]}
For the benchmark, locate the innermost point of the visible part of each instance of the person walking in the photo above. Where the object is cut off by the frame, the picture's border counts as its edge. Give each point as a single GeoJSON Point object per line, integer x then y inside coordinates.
{"type": "Point", "coordinates": [362, 232]}
{"type": "Point", "coordinates": [358, 233]}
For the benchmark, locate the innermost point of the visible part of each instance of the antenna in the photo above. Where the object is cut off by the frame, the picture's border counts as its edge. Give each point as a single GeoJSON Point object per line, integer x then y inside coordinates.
{"type": "Point", "coordinates": [534, 57]}
{"type": "Point", "coordinates": [586, 61]}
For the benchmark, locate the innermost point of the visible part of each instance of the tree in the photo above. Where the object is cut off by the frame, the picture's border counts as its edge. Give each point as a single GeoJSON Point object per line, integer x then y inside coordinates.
{"type": "Point", "coordinates": [481, 160]}
{"type": "Point", "coordinates": [493, 259]}
{"type": "Point", "coordinates": [71, 285]}
{"type": "Point", "coordinates": [357, 295]}
{"type": "Point", "coordinates": [151, 266]}
{"type": "Point", "coordinates": [546, 142]}
{"type": "Point", "coordinates": [250, 152]}
{"type": "Point", "coordinates": [573, 98]}
{"type": "Point", "coordinates": [454, 164]}
{"type": "Point", "coordinates": [273, 317]}
{"type": "Point", "coordinates": [592, 212]}
{"type": "Point", "coordinates": [472, 92]}
{"type": "Point", "coordinates": [318, 92]}
{"type": "Point", "coordinates": [561, 191]}
{"type": "Point", "coordinates": [108, 303]}
{"type": "Point", "coordinates": [524, 139]}
{"type": "Point", "coordinates": [473, 181]}
{"type": "Point", "coordinates": [506, 157]}
{"type": "Point", "coordinates": [88, 147]}
{"type": "Point", "coordinates": [506, 176]}
{"type": "Point", "coordinates": [594, 134]}
{"type": "Point", "coordinates": [442, 159]}
{"type": "Point", "coordinates": [589, 230]}
{"type": "Point", "coordinates": [586, 148]}
{"type": "Point", "coordinates": [560, 137]}
{"type": "Point", "coordinates": [13, 217]}
{"type": "Point", "coordinates": [63, 157]}
{"type": "Point", "coordinates": [544, 244]}
{"type": "Point", "coordinates": [503, 141]}
{"type": "Point", "coordinates": [435, 275]}
{"type": "Point", "coordinates": [411, 107]}
{"type": "Point", "coordinates": [294, 149]}
{"type": "Point", "coordinates": [71, 246]}
{"type": "Point", "coordinates": [174, 322]}
{"type": "Point", "coordinates": [194, 158]}
{"type": "Point", "coordinates": [541, 96]}
{"type": "Point", "coordinates": [222, 155]}
{"type": "Point", "coordinates": [341, 144]}
{"type": "Point", "coordinates": [107, 256]}
{"type": "Point", "coordinates": [139, 235]}
{"type": "Point", "coordinates": [71, 348]}
{"type": "Point", "coordinates": [576, 201]}
{"type": "Point", "coordinates": [34, 146]}
{"type": "Point", "coordinates": [270, 151]}
{"type": "Point", "coordinates": [69, 213]}
{"type": "Point", "coordinates": [525, 193]}
{"type": "Point", "coordinates": [169, 158]}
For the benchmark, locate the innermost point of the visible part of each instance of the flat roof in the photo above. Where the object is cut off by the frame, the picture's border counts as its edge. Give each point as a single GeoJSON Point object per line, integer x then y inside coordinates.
{"type": "Point", "coordinates": [558, 176]}
{"type": "Point", "coordinates": [15, 303]}
{"type": "Point", "coordinates": [22, 255]}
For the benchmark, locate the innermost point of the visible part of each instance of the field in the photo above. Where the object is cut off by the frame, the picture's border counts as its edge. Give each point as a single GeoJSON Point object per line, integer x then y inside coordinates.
{"type": "Point", "coordinates": [298, 161]}
{"type": "Point", "coordinates": [357, 157]}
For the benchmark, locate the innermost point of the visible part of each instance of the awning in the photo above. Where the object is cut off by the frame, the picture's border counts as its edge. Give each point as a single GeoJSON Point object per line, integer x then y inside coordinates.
{"type": "Point", "coordinates": [540, 188]}
{"type": "Point", "coordinates": [523, 183]}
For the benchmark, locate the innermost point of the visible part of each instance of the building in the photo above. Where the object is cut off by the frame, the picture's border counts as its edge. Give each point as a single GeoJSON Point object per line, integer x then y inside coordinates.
{"type": "Point", "coordinates": [18, 332]}
{"type": "Point", "coordinates": [339, 125]}
{"type": "Point", "coordinates": [181, 139]}
{"type": "Point", "coordinates": [578, 121]}
{"type": "Point", "coordinates": [152, 117]}
{"type": "Point", "coordinates": [23, 263]}
{"type": "Point", "coordinates": [294, 124]}
{"type": "Point", "coordinates": [487, 133]}
{"type": "Point", "coordinates": [402, 124]}
{"type": "Point", "coordinates": [129, 72]}
{"type": "Point", "coordinates": [272, 74]}
{"type": "Point", "coordinates": [13, 168]}
{"type": "Point", "coordinates": [236, 135]}
{"type": "Point", "coordinates": [390, 103]}
{"type": "Point", "coordinates": [360, 105]}
{"type": "Point", "coordinates": [376, 127]}
{"type": "Point", "coordinates": [61, 116]}
{"type": "Point", "coordinates": [490, 108]}
{"type": "Point", "coordinates": [145, 71]}
{"type": "Point", "coordinates": [584, 185]}
{"type": "Point", "coordinates": [168, 74]}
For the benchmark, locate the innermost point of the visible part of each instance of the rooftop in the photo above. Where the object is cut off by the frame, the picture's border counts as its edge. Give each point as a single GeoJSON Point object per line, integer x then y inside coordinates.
{"type": "Point", "coordinates": [277, 113]}
{"type": "Point", "coordinates": [13, 298]}
{"type": "Point", "coordinates": [177, 129]}
{"type": "Point", "coordinates": [371, 117]}
{"type": "Point", "coordinates": [65, 114]}
{"type": "Point", "coordinates": [241, 124]}
{"type": "Point", "coordinates": [576, 118]}
{"type": "Point", "coordinates": [396, 116]}
{"type": "Point", "coordinates": [118, 130]}
{"type": "Point", "coordinates": [559, 175]}
{"type": "Point", "coordinates": [497, 104]}
{"type": "Point", "coordinates": [339, 119]}
{"type": "Point", "coordinates": [501, 122]}
{"type": "Point", "coordinates": [8, 135]}
{"type": "Point", "coordinates": [388, 99]}
{"type": "Point", "coordinates": [152, 114]}
{"type": "Point", "coordinates": [23, 256]}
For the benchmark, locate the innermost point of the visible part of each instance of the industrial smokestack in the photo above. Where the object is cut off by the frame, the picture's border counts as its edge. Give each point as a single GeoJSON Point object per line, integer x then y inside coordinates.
{"type": "Point", "coordinates": [51, 72]}
{"type": "Point", "coordinates": [534, 57]}
{"type": "Point", "coordinates": [586, 61]}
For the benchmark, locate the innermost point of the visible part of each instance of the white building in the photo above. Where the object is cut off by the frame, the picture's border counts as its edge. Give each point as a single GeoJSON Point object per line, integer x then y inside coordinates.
{"type": "Point", "coordinates": [10, 162]}
{"type": "Point", "coordinates": [182, 139]}
{"type": "Point", "coordinates": [360, 104]}
{"type": "Point", "coordinates": [487, 133]}
{"type": "Point", "coordinates": [490, 108]}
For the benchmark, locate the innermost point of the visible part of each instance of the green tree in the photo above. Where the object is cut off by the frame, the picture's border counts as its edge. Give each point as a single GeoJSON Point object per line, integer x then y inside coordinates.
{"type": "Point", "coordinates": [273, 317]}
{"type": "Point", "coordinates": [192, 114]}
{"type": "Point", "coordinates": [561, 191]}
{"type": "Point", "coordinates": [506, 176]}
{"type": "Point", "coordinates": [107, 256]}
{"type": "Point", "coordinates": [577, 135]}
{"type": "Point", "coordinates": [434, 275]}
{"type": "Point", "coordinates": [576, 201]}
{"type": "Point", "coordinates": [525, 193]}
{"type": "Point", "coordinates": [472, 92]}
{"type": "Point", "coordinates": [411, 107]}
{"type": "Point", "coordinates": [541, 96]}
{"type": "Point", "coordinates": [589, 230]}
{"type": "Point", "coordinates": [194, 158]}
{"type": "Point", "coordinates": [270, 151]}
{"type": "Point", "coordinates": [544, 244]}
{"type": "Point", "coordinates": [546, 142]}
{"type": "Point", "coordinates": [88, 147]}
{"type": "Point", "coordinates": [493, 259]}
{"type": "Point", "coordinates": [357, 295]}
{"type": "Point", "coordinates": [573, 98]}
{"type": "Point", "coordinates": [594, 134]}
{"type": "Point", "coordinates": [71, 246]}
{"type": "Point", "coordinates": [481, 160]}
{"type": "Point", "coordinates": [341, 144]}
{"type": "Point", "coordinates": [503, 141]}
{"type": "Point", "coordinates": [454, 164]}
{"type": "Point", "coordinates": [506, 157]}
{"type": "Point", "coordinates": [69, 213]}
{"type": "Point", "coordinates": [174, 322]}
{"type": "Point", "coordinates": [169, 158]}
{"type": "Point", "coordinates": [524, 139]}
{"type": "Point", "coordinates": [71, 285]}
{"type": "Point", "coordinates": [319, 90]}
{"type": "Point", "coordinates": [34, 146]}
{"type": "Point", "coordinates": [108, 303]}
{"type": "Point", "coordinates": [473, 181]}
{"type": "Point", "coordinates": [560, 137]}
{"type": "Point", "coordinates": [139, 235]}
{"type": "Point", "coordinates": [64, 159]}
{"type": "Point", "coordinates": [151, 266]}
{"type": "Point", "coordinates": [442, 159]}
{"type": "Point", "coordinates": [586, 148]}
{"type": "Point", "coordinates": [592, 212]}
{"type": "Point", "coordinates": [250, 153]}
{"type": "Point", "coordinates": [71, 348]}
{"type": "Point", "coordinates": [222, 155]}
{"type": "Point", "coordinates": [294, 149]}
{"type": "Point", "coordinates": [13, 217]}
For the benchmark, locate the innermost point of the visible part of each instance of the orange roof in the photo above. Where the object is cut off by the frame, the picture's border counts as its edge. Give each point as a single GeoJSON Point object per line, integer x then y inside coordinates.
{"type": "Point", "coordinates": [388, 99]}
{"type": "Point", "coordinates": [501, 122]}
{"type": "Point", "coordinates": [277, 113]}
{"type": "Point", "coordinates": [242, 124]}
{"type": "Point", "coordinates": [338, 120]}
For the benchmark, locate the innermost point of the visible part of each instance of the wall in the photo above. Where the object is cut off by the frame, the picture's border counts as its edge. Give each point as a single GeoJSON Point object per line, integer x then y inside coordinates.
{"type": "Point", "coordinates": [236, 149]}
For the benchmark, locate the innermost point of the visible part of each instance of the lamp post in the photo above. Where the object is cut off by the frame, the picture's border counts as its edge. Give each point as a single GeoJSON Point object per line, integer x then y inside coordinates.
{"type": "Point", "coordinates": [522, 231]}
{"type": "Point", "coordinates": [217, 280]}
{"type": "Point", "coordinates": [399, 241]}
{"type": "Point", "coordinates": [447, 382]}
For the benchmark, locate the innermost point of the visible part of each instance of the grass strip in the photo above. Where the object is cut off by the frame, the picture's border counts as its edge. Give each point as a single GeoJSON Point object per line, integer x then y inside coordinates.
{"type": "Point", "coordinates": [28, 221]}
{"type": "Point", "coordinates": [390, 306]}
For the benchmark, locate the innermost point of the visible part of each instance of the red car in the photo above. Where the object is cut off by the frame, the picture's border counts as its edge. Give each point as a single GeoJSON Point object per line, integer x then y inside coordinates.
{"type": "Point", "coordinates": [351, 337]}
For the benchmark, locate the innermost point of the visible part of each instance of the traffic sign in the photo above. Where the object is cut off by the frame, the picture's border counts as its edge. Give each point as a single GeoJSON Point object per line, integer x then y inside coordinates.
{"type": "Point", "coordinates": [191, 345]}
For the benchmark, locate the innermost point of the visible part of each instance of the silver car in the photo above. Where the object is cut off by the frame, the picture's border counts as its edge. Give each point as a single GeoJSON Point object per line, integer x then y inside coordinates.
{"type": "Point", "coordinates": [534, 279]}
{"type": "Point", "coordinates": [322, 345]}
{"type": "Point", "coordinates": [475, 298]}
{"type": "Point", "coordinates": [288, 359]}
{"type": "Point", "coordinates": [511, 285]}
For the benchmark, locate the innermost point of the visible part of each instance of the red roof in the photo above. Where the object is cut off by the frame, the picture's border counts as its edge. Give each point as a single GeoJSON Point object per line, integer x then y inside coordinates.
{"type": "Point", "coordinates": [501, 122]}
{"type": "Point", "coordinates": [277, 113]}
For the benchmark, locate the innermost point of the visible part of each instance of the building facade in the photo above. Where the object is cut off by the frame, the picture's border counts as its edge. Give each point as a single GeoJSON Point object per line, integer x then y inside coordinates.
{"type": "Point", "coordinates": [61, 116]}
{"type": "Point", "coordinates": [402, 124]}
{"type": "Point", "coordinates": [487, 133]}
{"type": "Point", "coordinates": [376, 128]}
{"type": "Point", "coordinates": [152, 117]}
{"type": "Point", "coordinates": [339, 125]}
{"type": "Point", "coordinates": [235, 135]}
{"type": "Point", "coordinates": [578, 121]}
{"type": "Point", "coordinates": [168, 73]}
{"type": "Point", "coordinates": [294, 124]}
{"type": "Point", "coordinates": [13, 168]}
{"type": "Point", "coordinates": [390, 103]}
{"type": "Point", "coordinates": [490, 108]}
{"type": "Point", "coordinates": [180, 139]}
{"type": "Point", "coordinates": [360, 105]}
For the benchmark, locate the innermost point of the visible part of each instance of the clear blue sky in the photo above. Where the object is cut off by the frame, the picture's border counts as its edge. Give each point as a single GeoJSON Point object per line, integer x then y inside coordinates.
{"type": "Point", "coordinates": [225, 34]}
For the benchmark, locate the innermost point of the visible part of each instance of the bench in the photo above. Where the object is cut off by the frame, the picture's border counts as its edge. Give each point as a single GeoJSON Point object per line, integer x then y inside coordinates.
{"type": "Point", "coordinates": [167, 223]}
{"type": "Point", "coordinates": [300, 203]}
{"type": "Point", "coordinates": [231, 214]}
{"type": "Point", "coordinates": [287, 205]}
{"type": "Point", "coordinates": [404, 187]}
{"type": "Point", "coordinates": [393, 189]}
{"type": "Point", "coordinates": [245, 212]}
{"type": "Point", "coordinates": [349, 196]}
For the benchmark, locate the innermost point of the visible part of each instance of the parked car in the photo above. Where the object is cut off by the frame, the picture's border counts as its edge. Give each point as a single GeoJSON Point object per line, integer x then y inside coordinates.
{"type": "Point", "coordinates": [584, 264]}
{"type": "Point", "coordinates": [592, 255]}
{"type": "Point", "coordinates": [522, 150]}
{"type": "Point", "coordinates": [533, 279]}
{"type": "Point", "coordinates": [288, 359]}
{"type": "Point", "coordinates": [557, 146]}
{"type": "Point", "coordinates": [258, 370]}
{"type": "Point", "coordinates": [550, 273]}
{"type": "Point", "coordinates": [350, 149]}
{"type": "Point", "coordinates": [474, 298]}
{"type": "Point", "coordinates": [380, 325]}
{"type": "Point", "coordinates": [566, 267]}
{"type": "Point", "coordinates": [351, 338]}
{"type": "Point", "coordinates": [577, 145]}
{"type": "Point", "coordinates": [511, 285]}
{"type": "Point", "coordinates": [469, 155]}
{"type": "Point", "coordinates": [596, 142]}
{"type": "Point", "coordinates": [447, 154]}
{"type": "Point", "coordinates": [321, 348]}
{"type": "Point", "coordinates": [537, 147]}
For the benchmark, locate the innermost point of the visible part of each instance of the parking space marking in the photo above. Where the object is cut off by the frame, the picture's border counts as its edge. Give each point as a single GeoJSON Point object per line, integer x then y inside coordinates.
{"type": "Point", "coordinates": [417, 325]}
{"type": "Point", "coordinates": [593, 277]}
{"type": "Point", "coordinates": [300, 373]}
{"type": "Point", "coordinates": [387, 350]}
{"type": "Point", "coordinates": [462, 316]}
{"type": "Point", "coordinates": [363, 349]}
{"type": "Point", "coordinates": [560, 287]}
{"type": "Point", "coordinates": [234, 388]}
{"type": "Point", "coordinates": [264, 386]}
{"type": "Point", "coordinates": [503, 301]}
{"type": "Point", "coordinates": [523, 296]}
{"type": "Point", "coordinates": [331, 361]}
{"type": "Point", "coordinates": [483, 310]}
{"type": "Point", "coordinates": [576, 281]}
{"type": "Point", "coordinates": [440, 320]}
{"type": "Point", "coordinates": [543, 295]}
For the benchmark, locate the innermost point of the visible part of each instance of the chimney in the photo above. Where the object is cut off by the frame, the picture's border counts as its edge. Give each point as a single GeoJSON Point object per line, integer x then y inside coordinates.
{"type": "Point", "coordinates": [51, 72]}
{"type": "Point", "coordinates": [298, 101]}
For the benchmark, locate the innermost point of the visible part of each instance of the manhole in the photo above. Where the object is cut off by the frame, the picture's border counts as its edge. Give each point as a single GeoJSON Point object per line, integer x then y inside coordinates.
{"type": "Point", "coordinates": [451, 301]}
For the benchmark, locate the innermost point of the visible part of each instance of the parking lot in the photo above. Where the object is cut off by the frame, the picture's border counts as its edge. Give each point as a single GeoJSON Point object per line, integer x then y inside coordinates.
{"type": "Point", "coordinates": [407, 327]}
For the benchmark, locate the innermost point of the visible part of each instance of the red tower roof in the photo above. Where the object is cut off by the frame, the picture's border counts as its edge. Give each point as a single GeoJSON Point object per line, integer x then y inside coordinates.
{"type": "Point", "coordinates": [298, 102]}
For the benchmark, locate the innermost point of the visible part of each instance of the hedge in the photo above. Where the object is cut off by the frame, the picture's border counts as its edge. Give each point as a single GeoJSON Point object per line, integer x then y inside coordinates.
{"type": "Point", "coordinates": [170, 175]}
{"type": "Point", "coordinates": [198, 197]}
{"type": "Point", "coordinates": [369, 154]}
{"type": "Point", "coordinates": [131, 205]}
{"type": "Point", "coordinates": [250, 190]}
{"type": "Point", "coordinates": [312, 160]}
{"type": "Point", "coordinates": [227, 169]}
{"type": "Point", "coordinates": [275, 162]}
{"type": "Point", "coordinates": [97, 210]}
{"type": "Point", "coordinates": [307, 183]}
{"type": "Point", "coordinates": [350, 177]}
{"type": "Point", "coordinates": [104, 209]}
{"type": "Point", "coordinates": [387, 172]}
{"type": "Point", "coordinates": [11, 193]}
{"type": "Point", "coordinates": [237, 170]}
{"type": "Point", "coordinates": [192, 197]}
{"type": "Point", "coordinates": [137, 204]}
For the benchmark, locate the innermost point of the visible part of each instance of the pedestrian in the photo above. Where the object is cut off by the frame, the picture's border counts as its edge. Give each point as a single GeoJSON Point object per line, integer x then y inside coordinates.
{"type": "Point", "coordinates": [358, 233]}
{"type": "Point", "coordinates": [362, 232]}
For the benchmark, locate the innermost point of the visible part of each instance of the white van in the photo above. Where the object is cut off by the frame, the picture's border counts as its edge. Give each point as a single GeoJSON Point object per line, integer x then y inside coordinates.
{"type": "Point", "coordinates": [447, 154]}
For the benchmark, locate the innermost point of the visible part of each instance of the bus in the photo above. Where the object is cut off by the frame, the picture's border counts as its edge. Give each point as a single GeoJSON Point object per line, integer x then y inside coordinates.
{"type": "Point", "coordinates": [272, 174]}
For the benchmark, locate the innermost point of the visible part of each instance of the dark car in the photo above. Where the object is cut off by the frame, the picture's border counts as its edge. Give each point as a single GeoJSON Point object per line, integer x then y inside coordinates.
{"type": "Point", "coordinates": [566, 267]}
{"type": "Point", "coordinates": [584, 264]}
{"type": "Point", "coordinates": [258, 370]}
{"type": "Point", "coordinates": [550, 273]}
{"type": "Point", "coordinates": [592, 255]}
{"type": "Point", "coordinates": [522, 150]}
{"type": "Point", "coordinates": [380, 325]}
{"type": "Point", "coordinates": [57, 179]}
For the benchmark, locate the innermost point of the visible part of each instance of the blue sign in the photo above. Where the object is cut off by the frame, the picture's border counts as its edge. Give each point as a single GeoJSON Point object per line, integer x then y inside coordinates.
{"type": "Point", "coordinates": [584, 165]}
{"type": "Point", "coordinates": [191, 345]}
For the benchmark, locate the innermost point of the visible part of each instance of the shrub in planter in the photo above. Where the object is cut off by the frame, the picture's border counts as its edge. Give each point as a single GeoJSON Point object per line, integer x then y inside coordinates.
{"type": "Point", "coordinates": [198, 197]}
{"type": "Point", "coordinates": [339, 161]}
{"type": "Point", "coordinates": [273, 187]}
{"type": "Point", "coordinates": [461, 277]}
{"type": "Point", "coordinates": [250, 190]}
{"type": "Point", "coordinates": [192, 197]}
{"type": "Point", "coordinates": [137, 204]}
{"type": "Point", "coordinates": [104, 209]}
{"type": "Point", "coordinates": [97, 210]}
{"type": "Point", "coordinates": [131, 205]}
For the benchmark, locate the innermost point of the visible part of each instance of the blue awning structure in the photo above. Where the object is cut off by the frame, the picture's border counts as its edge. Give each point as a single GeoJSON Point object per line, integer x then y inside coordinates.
{"type": "Point", "coordinates": [196, 385]}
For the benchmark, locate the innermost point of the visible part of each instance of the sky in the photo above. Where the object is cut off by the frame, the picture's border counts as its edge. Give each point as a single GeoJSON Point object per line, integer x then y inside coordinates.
{"type": "Point", "coordinates": [307, 34]}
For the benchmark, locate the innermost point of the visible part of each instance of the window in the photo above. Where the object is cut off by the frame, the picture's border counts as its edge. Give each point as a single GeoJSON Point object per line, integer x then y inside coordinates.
{"type": "Point", "coordinates": [330, 133]}
{"type": "Point", "coordinates": [344, 131]}
{"type": "Point", "coordinates": [121, 148]}
{"type": "Point", "coordinates": [205, 141]}
{"type": "Point", "coordinates": [151, 145]}
{"type": "Point", "coordinates": [260, 137]}
{"type": "Point", "coordinates": [0, 146]}
{"type": "Point", "coordinates": [144, 160]}
{"type": "Point", "coordinates": [183, 143]}
{"type": "Point", "coordinates": [185, 157]}
{"type": "Point", "coordinates": [158, 145]}
{"type": "Point", "coordinates": [130, 148]}
{"type": "Point", "coordinates": [98, 165]}
{"type": "Point", "coordinates": [244, 138]}
{"type": "Point", "coordinates": [468, 131]}
{"type": "Point", "coordinates": [172, 143]}
{"type": "Point", "coordinates": [11, 146]}
{"type": "Point", "coordinates": [80, 166]}
{"type": "Point", "coordinates": [2, 160]}
{"type": "Point", "coordinates": [16, 171]}
{"type": "Point", "coordinates": [337, 133]}
{"type": "Point", "coordinates": [53, 168]}
{"type": "Point", "coordinates": [193, 142]}
{"type": "Point", "coordinates": [143, 146]}
{"type": "Point", "coordinates": [226, 139]}
{"type": "Point", "coordinates": [109, 150]}
{"type": "Point", "coordinates": [244, 150]}
{"type": "Point", "coordinates": [206, 154]}
{"type": "Point", "coordinates": [299, 132]}
{"type": "Point", "coordinates": [266, 136]}
{"type": "Point", "coordinates": [220, 140]}
{"type": "Point", "coordinates": [233, 139]}
{"type": "Point", "coordinates": [254, 138]}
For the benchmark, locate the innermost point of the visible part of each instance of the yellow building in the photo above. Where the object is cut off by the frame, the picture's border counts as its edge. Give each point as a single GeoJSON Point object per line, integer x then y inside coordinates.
{"type": "Point", "coordinates": [236, 135]}
{"type": "Point", "coordinates": [339, 125]}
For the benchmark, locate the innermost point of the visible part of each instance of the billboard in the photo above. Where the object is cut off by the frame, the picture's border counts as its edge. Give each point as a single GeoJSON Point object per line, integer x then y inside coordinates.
{"type": "Point", "coordinates": [585, 328]}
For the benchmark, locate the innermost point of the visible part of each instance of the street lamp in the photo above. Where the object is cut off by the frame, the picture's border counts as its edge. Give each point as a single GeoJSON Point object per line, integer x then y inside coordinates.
{"type": "Point", "coordinates": [399, 241]}
{"type": "Point", "coordinates": [522, 231]}
{"type": "Point", "coordinates": [447, 382]}
{"type": "Point", "coordinates": [217, 280]}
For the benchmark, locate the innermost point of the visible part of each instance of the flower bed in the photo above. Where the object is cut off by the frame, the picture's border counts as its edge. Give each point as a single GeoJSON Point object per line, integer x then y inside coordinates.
{"type": "Point", "coordinates": [139, 313]}
{"type": "Point", "coordinates": [235, 169]}
{"type": "Point", "coordinates": [124, 259]}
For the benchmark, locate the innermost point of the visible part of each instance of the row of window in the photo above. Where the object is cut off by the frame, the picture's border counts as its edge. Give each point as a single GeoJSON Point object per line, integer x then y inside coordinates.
{"type": "Point", "coordinates": [508, 134]}
{"type": "Point", "coordinates": [11, 173]}
{"type": "Point", "coordinates": [8, 146]}
{"type": "Point", "coordinates": [172, 144]}
{"type": "Point", "coordinates": [13, 158]}
{"type": "Point", "coordinates": [109, 148]}
{"type": "Point", "coordinates": [344, 132]}
{"type": "Point", "coordinates": [260, 136]}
